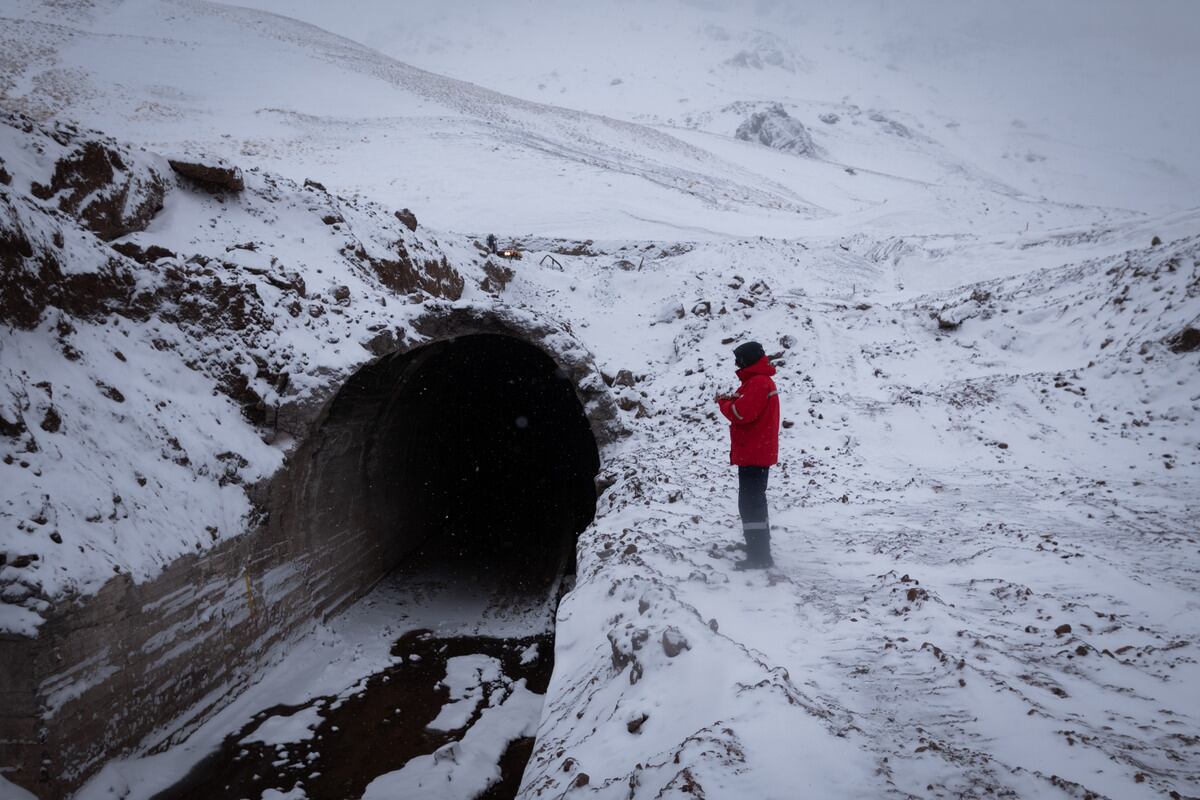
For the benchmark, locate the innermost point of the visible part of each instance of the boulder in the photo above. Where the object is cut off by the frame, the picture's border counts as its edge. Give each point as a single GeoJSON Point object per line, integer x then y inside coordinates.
{"type": "Point", "coordinates": [774, 128]}
{"type": "Point", "coordinates": [213, 175]}
{"type": "Point", "coordinates": [104, 188]}
{"type": "Point", "coordinates": [408, 218]}
{"type": "Point", "coordinates": [674, 642]}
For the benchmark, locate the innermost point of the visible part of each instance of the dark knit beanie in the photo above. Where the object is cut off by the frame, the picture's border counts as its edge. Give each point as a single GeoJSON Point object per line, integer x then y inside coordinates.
{"type": "Point", "coordinates": [747, 353]}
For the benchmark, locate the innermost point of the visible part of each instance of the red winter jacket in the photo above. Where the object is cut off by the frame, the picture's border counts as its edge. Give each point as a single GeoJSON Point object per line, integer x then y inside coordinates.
{"type": "Point", "coordinates": [754, 416]}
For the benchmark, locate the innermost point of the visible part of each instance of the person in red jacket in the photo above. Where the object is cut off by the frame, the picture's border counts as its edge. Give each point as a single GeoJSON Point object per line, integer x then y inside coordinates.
{"type": "Point", "coordinates": [753, 414]}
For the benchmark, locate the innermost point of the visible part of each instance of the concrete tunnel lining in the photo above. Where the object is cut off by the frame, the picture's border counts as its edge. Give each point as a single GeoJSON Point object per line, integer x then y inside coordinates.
{"type": "Point", "coordinates": [473, 448]}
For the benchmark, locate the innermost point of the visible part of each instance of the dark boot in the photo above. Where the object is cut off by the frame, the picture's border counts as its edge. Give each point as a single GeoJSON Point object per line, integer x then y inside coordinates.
{"type": "Point", "coordinates": [758, 551]}
{"type": "Point", "coordinates": [765, 551]}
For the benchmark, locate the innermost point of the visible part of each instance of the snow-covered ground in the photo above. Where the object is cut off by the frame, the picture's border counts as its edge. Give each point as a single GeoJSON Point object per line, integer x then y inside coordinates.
{"type": "Point", "coordinates": [985, 513]}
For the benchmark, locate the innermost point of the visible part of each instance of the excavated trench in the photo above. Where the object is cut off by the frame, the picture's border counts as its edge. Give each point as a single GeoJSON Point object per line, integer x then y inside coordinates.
{"type": "Point", "coordinates": [462, 464]}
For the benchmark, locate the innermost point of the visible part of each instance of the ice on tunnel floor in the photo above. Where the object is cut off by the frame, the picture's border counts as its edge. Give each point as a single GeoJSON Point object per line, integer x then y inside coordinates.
{"type": "Point", "coordinates": [281, 729]}
{"type": "Point", "coordinates": [292, 794]}
{"type": "Point", "coordinates": [466, 677]}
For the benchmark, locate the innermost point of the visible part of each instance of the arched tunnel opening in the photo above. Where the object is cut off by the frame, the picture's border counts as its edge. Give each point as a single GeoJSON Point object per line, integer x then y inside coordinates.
{"type": "Point", "coordinates": [470, 457]}
{"type": "Point", "coordinates": [471, 451]}
{"type": "Point", "coordinates": [482, 455]}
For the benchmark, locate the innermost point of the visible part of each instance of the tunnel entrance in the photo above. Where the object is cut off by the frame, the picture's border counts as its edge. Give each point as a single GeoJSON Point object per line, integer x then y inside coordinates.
{"type": "Point", "coordinates": [473, 451]}
{"type": "Point", "coordinates": [464, 463]}
{"type": "Point", "coordinates": [480, 454]}
{"type": "Point", "coordinates": [485, 455]}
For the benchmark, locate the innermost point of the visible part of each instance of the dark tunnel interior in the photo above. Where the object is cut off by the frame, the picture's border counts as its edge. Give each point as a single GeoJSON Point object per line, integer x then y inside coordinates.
{"type": "Point", "coordinates": [474, 449]}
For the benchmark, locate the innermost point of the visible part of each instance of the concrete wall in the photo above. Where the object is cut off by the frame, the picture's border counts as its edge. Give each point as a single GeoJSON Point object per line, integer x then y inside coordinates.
{"type": "Point", "coordinates": [140, 666]}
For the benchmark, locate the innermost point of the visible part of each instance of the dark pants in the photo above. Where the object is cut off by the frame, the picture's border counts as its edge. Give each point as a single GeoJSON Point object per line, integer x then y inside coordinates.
{"type": "Point", "coordinates": [752, 505]}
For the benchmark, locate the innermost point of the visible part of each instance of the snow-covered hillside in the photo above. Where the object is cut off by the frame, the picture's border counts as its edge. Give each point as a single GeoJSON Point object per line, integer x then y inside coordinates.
{"type": "Point", "coordinates": [243, 84]}
{"type": "Point", "coordinates": [975, 262]}
{"type": "Point", "coordinates": [1077, 102]}
{"type": "Point", "coordinates": [144, 379]}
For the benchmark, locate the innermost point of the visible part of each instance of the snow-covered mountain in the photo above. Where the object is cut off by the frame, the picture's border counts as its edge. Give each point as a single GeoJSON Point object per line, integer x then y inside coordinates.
{"type": "Point", "coordinates": [966, 233]}
{"type": "Point", "coordinates": [1076, 102]}
{"type": "Point", "coordinates": [291, 96]}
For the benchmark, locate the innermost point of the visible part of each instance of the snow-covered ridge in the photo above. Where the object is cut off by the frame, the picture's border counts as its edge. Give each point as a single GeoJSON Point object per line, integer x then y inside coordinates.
{"type": "Point", "coordinates": [987, 526]}
{"type": "Point", "coordinates": [156, 327]}
{"type": "Point", "coordinates": [173, 77]}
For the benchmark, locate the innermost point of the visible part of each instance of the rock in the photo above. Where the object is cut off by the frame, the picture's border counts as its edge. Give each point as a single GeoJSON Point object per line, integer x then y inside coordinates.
{"type": "Point", "coordinates": [581, 780]}
{"type": "Point", "coordinates": [702, 309]}
{"type": "Point", "coordinates": [213, 175]}
{"type": "Point", "coordinates": [1155, 242]}
{"type": "Point", "coordinates": [496, 276]}
{"type": "Point", "coordinates": [51, 422]}
{"type": "Point", "coordinates": [148, 255]}
{"type": "Point", "coordinates": [111, 392]}
{"type": "Point", "coordinates": [287, 281]}
{"type": "Point", "coordinates": [311, 184]}
{"type": "Point", "coordinates": [332, 219]}
{"type": "Point", "coordinates": [402, 275]}
{"type": "Point", "coordinates": [829, 118]}
{"type": "Point", "coordinates": [620, 656]}
{"type": "Point", "coordinates": [97, 183]}
{"type": "Point", "coordinates": [674, 642]}
{"type": "Point", "coordinates": [630, 404]}
{"type": "Point", "coordinates": [604, 482]}
{"type": "Point", "coordinates": [635, 725]}
{"type": "Point", "coordinates": [1062, 630]}
{"type": "Point", "coordinates": [624, 378]}
{"type": "Point", "coordinates": [5, 178]}
{"type": "Point", "coordinates": [670, 311]}
{"type": "Point", "coordinates": [774, 128]}
{"type": "Point", "coordinates": [891, 126]}
{"type": "Point", "coordinates": [1186, 341]}
{"type": "Point", "coordinates": [765, 50]}
{"type": "Point", "coordinates": [384, 342]}
{"type": "Point", "coordinates": [408, 218]}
